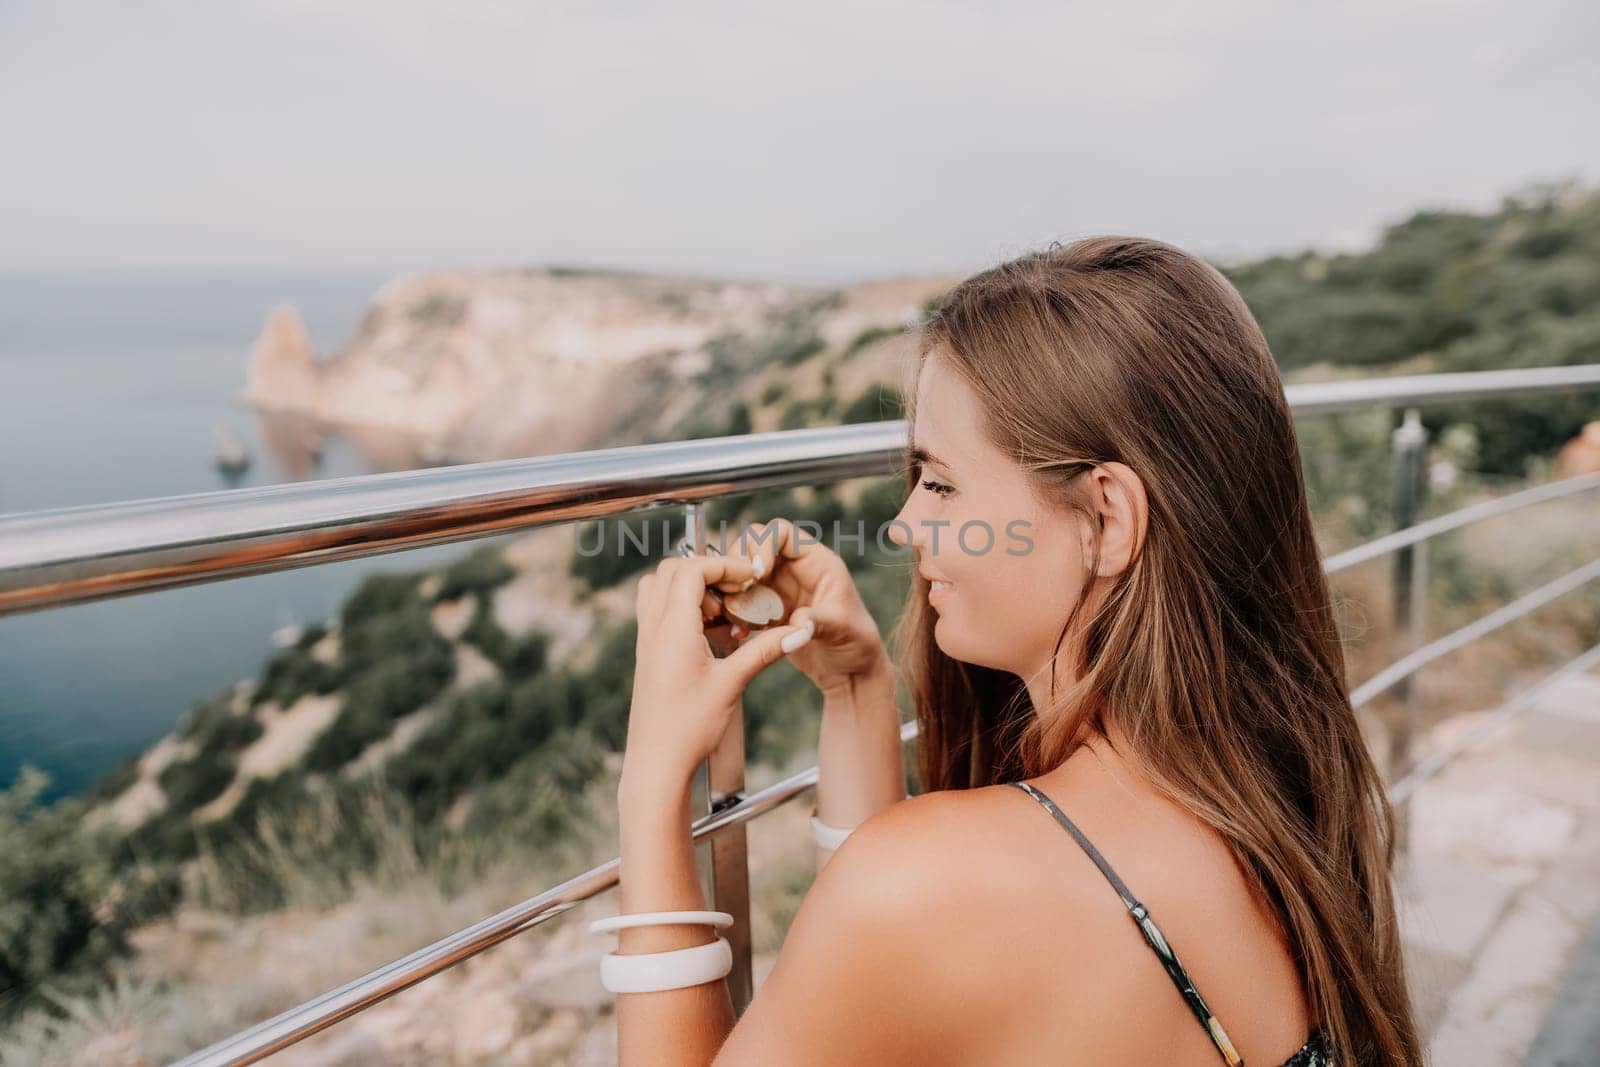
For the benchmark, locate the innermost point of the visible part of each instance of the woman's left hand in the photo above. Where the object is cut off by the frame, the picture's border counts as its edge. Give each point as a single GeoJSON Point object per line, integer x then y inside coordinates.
{"type": "Point", "coordinates": [683, 695]}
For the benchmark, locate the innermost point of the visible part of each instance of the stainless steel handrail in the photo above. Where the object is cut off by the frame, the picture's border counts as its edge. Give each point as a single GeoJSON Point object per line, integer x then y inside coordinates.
{"type": "Point", "coordinates": [1409, 664]}
{"type": "Point", "coordinates": [1455, 520]}
{"type": "Point", "coordinates": [1324, 398]}
{"type": "Point", "coordinates": [71, 555]}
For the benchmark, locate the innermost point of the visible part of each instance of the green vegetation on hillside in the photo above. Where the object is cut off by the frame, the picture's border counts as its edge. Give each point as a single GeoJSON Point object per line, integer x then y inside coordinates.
{"type": "Point", "coordinates": [68, 897]}
{"type": "Point", "coordinates": [1453, 291]}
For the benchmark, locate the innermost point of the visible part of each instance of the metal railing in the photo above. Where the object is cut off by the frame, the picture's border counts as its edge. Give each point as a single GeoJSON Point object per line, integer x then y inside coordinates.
{"type": "Point", "coordinates": [73, 555]}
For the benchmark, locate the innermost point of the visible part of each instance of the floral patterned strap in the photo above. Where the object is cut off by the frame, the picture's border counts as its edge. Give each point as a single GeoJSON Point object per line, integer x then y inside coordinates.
{"type": "Point", "coordinates": [1314, 1053]}
{"type": "Point", "coordinates": [1152, 934]}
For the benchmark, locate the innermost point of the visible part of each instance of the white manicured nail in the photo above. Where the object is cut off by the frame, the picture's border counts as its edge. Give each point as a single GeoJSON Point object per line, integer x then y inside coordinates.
{"type": "Point", "coordinates": [759, 565]}
{"type": "Point", "coordinates": [797, 639]}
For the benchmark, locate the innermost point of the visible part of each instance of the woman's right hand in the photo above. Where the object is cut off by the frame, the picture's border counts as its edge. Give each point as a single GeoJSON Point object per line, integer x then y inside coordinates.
{"type": "Point", "coordinates": [816, 585]}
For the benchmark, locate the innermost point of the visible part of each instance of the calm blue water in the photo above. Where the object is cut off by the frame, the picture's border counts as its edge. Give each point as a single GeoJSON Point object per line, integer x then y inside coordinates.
{"type": "Point", "coordinates": [111, 385]}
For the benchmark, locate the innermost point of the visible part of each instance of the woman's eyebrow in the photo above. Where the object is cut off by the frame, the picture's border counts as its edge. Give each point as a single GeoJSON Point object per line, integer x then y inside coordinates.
{"type": "Point", "coordinates": [916, 454]}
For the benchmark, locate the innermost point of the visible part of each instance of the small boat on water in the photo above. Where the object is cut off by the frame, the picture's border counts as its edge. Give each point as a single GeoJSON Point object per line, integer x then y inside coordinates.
{"type": "Point", "coordinates": [232, 455]}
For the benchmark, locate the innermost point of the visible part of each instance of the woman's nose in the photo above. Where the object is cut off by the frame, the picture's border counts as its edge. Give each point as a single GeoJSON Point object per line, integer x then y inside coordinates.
{"type": "Point", "coordinates": [902, 528]}
{"type": "Point", "coordinates": [896, 529]}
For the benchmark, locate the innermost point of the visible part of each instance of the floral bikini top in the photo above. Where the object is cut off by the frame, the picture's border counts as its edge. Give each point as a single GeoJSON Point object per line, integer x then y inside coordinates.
{"type": "Point", "coordinates": [1314, 1053]}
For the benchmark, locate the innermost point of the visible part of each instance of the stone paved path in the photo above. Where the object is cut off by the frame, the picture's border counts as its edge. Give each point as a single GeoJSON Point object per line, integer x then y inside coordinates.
{"type": "Point", "coordinates": [1503, 884]}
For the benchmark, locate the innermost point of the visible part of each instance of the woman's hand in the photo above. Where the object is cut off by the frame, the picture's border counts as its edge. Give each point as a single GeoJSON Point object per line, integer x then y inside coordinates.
{"type": "Point", "coordinates": [683, 695]}
{"type": "Point", "coordinates": [817, 586]}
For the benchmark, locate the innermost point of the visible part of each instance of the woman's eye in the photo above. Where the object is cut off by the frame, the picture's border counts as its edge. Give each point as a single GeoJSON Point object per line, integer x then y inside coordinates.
{"type": "Point", "coordinates": [934, 487]}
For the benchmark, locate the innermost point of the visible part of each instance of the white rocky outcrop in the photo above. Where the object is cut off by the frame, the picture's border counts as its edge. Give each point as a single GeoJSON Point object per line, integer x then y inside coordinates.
{"type": "Point", "coordinates": [282, 374]}
{"type": "Point", "coordinates": [498, 363]}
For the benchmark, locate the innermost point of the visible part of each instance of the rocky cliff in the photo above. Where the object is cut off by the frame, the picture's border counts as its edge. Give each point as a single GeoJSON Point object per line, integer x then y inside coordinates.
{"type": "Point", "coordinates": [283, 373]}
{"type": "Point", "coordinates": [489, 364]}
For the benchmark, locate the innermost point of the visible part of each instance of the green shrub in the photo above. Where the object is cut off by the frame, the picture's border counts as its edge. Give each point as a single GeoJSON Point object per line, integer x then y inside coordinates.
{"type": "Point", "coordinates": [525, 656]}
{"type": "Point", "coordinates": [168, 837]}
{"type": "Point", "coordinates": [378, 594]}
{"type": "Point", "coordinates": [517, 657]}
{"type": "Point", "coordinates": [881, 501]}
{"type": "Point", "coordinates": [290, 674]}
{"type": "Point", "coordinates": [799, 350]}
{"type": "Point", "coordinates": [372, 702]}
{"type": "Point", "coordinates": [605, 690]}
{"type": "Point", "coordinates": [405, 630]}
{"type": "Point", "coordinates": [484, 633]}
{"type": "Point", "coordinates": [801, 413]}
{"type": "Point", "coordinates": [116, 781]}
{"type": "Point", "coordinates": [735, 423]}
{"type": "Point", "coordinates": [763, 505]}
{"type": "Point", "coordinates": [631, 543]}
{"type": "Point", "coordinates": [738, 421]}
{"type": "Point", "coordinates": [1345, 460]}
{"type": "Point", "coordinates": [262, 796]}
{"type": "Point", "coordinates": [869, 336]}
{"type": "Point", "coordinates": [540, 798]}
{"type": "Point", "coordinates": [480, 571]}
{"type": "Point", "coordinates": [60, 921]}
{"type": "Point", "coordinates": [191, 783]}
{"type": "Point", "coordinates": [825, 510]}
{"type": "Point", "coordinates": [464, 745]}
{"type": "Point", "coordinates": [482, 732]}
{"type": "Point", "coordinates": [781, 710]}
{"type": "Point", "coordinates": [877, 403]}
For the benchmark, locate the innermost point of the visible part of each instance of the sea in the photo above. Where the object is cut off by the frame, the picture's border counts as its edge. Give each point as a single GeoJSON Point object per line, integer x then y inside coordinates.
{"type": "Point", "coordinates": [113, 386]}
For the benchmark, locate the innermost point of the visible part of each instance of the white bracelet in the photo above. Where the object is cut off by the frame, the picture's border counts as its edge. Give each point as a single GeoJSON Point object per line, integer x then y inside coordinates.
{"type": "Point", "coordinates": [826, 836]}
{"type": "Point", "coordinates": [651, 972]}
{"type": "Point", "coordinates": [659, 918]}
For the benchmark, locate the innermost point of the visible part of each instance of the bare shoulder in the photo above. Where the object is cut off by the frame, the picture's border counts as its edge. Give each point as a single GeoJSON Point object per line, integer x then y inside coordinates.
{"type": "Point", "coordinates": [947, 853]}
{"type": "Point", "coordinates": [980, 868]}
{"type": "Point", "coordinates": [909, 867]}
{"type": "Point", "coordinates": [948, 832]}
{"type": "Point", "coordinates": [893, 953]}
{"type": "Point", "coordinates": [981, 857]}
{"type": "Point", "coordinates": [923, 835]}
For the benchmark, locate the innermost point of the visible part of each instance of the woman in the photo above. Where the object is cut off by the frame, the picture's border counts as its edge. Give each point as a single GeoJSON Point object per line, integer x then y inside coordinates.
{"type": "Point", "coordinates": [1146, 657]}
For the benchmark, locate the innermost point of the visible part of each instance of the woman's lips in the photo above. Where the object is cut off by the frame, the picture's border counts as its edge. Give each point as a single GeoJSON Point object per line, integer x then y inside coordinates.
{"type": "Point", "coordinates": [938, 592]}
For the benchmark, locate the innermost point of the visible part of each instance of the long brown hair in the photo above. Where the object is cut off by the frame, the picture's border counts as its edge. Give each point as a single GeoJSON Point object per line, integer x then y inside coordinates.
{"type": "Point", "coordinates": [1216, 650]}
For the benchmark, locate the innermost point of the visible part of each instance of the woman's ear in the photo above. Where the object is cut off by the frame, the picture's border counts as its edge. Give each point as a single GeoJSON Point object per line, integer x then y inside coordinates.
{"type": "Point", "coordinates": [1117, 500]}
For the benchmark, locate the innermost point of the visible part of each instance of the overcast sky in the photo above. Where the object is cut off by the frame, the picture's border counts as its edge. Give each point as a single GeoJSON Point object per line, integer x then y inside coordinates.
{"type": "Point", "coordinates": [808, 140]}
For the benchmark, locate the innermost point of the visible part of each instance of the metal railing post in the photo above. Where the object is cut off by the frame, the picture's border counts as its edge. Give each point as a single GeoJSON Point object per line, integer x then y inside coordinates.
{"type": "Point", "coordinates": [1408, 446]}
{"type": "Point", "coordinates": [719, 784]}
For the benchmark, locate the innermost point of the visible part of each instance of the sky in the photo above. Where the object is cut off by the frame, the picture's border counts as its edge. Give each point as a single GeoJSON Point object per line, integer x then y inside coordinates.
{"type": "Point", "coordinates": [813, 141]}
